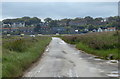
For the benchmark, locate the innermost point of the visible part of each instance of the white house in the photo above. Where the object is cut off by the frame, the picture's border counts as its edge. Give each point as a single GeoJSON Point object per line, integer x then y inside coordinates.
{"type": "Point", "coordinates": [86, 30]}
{"type": "Point", "coordinates": [76, 30]}
{"type": "Point", "coordinates": [99, 30]}
{"type": "Point", "coordinates": [18, 24]}
{"type": "Point", "coordinates": [94, 30]}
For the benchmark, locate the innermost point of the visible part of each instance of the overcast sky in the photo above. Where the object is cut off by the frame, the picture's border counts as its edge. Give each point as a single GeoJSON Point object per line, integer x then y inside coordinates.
{"type": "Point", "coordinates": [59, 10]}
{"type": "Point", "coordinates": [60, 0]}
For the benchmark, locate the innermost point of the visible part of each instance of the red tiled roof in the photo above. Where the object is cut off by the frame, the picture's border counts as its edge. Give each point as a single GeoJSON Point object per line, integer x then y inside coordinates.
{"type": "Point", "coordinates": [8, 28]}
{"type": "Point", "coordinates": [111, 28]}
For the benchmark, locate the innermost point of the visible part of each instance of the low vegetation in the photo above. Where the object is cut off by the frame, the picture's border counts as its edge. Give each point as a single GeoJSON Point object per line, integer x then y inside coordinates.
{"type": "Point", "coordinates": [100, 44]}
{"type": "Point", "coordinates": [0, 57]}
{"type": "Point", "coordinates": [19, 53]}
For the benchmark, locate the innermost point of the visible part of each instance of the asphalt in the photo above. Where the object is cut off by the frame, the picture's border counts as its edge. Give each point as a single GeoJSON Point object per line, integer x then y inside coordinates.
{"type": "Point", "coordinates": [63, 60]}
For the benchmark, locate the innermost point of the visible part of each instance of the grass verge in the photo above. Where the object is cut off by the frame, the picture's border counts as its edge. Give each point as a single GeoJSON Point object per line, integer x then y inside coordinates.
{"type": "Point", "coordinates": [0, 57]}
{"type": "Point", "coordinates": [15, 62]}
{"type": "Point", "coordinates": [103, 54]}
{"type": "Point", "coordinates": [100, 44]}
{"type": "Point", "coordinates": [0, 61]}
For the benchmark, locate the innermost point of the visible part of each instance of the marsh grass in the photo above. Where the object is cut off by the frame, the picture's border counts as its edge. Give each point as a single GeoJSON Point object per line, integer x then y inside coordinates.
{"type": "Point", "coordinates": [19, 54]}
{"type": "Point", "coordinates": [0, 57]}
{"type": "Point", "coordinates": [100, 44]}
{"type": "Point", "coordinates": [0, 61]}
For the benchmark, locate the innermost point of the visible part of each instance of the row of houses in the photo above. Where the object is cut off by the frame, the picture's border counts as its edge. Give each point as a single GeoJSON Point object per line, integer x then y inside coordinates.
{"type": "Point", "coordinates": [45, 29]}
{"type": "Point", "coordinates": [14, 25]}
{"type": "Point", "coordinates": [81, 22]}
{"type": "Point", "coordinates": [21, 24]}
{"type": "Point", "coordinates": [25, 30]}
{"type": "Point", "coordinates": [53, 30]}
{"type": "Point", "coordinates": [106, 29]}
{"type": "Point", "coordinates": [42, 30]}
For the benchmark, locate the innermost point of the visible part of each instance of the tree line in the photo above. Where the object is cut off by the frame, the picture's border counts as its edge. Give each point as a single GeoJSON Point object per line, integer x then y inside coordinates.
{"type": "Point", "coordinates": [80, 23]}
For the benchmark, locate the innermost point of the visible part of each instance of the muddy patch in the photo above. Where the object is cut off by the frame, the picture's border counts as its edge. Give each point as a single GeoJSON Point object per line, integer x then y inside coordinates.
{"type": "Point", "coordinates": [71, 62]}
{"type": "Point", "coordinates": [64, 52]}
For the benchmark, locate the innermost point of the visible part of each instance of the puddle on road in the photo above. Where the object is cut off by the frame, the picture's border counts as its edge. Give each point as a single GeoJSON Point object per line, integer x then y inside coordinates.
{"type": "Point", "coordinates": [62, 42]}
{"type": "Point", "coordinates": [47, 50]}
{"type": "Point", "coordinates": [54, 38]}
{"type": "Point", "coordinates": [112, 61]}
{"type": "Point", "coordinates": [97, 59]}
{"type": "Point", "coordinates": [72, 73]}
{"type": "Point", "coordinates": [80, 58]}
{"type": "Point", "coordinates": [114, 74]}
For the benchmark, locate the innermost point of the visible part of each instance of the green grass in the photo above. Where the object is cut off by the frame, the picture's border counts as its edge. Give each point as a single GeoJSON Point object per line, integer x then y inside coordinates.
{"type": "Point", "coordinates": [102, 53]}
{"type": "Point", "coordinates": [0, 57]}
{"type": "Point", "coordinates": [0, 62]}
{"type": "Point", "coordinates": [15, 62]}
{"type": "Point", "coordinates": [100, 44]}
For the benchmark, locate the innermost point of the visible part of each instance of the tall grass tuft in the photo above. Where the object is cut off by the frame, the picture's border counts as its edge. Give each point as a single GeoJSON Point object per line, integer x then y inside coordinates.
{"type": "Point", "coordinates": [19, 54]}
{"type": "Point", "coordinates": [101, 44]}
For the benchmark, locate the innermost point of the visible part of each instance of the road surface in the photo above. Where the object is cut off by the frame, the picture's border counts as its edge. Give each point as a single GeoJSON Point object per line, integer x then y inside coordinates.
{"type": "Point", "coordinates": [63, 60]}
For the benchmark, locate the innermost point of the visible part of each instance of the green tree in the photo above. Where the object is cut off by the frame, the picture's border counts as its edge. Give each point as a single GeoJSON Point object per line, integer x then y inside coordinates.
{"type": "Point", "coordinates": [54, 23]}
{"type": "Point", "coordinates": [47, 20]}
{"type": "Point", "coordinates": [89, 20]}
{"type": "Point", "coordinates": [98, 19]}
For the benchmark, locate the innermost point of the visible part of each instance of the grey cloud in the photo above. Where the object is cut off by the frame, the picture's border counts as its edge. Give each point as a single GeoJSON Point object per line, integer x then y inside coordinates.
{"type": "Point", "coordinates": [59, 10]}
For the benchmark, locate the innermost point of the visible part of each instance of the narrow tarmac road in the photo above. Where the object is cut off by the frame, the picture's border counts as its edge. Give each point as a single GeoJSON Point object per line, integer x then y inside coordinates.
{"type": "Point", "coordinates": [63, 60]}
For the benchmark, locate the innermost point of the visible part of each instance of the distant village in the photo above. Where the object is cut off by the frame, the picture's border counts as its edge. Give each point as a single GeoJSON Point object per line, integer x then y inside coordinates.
{"type": "Point", "coordinates": [60, 27]}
